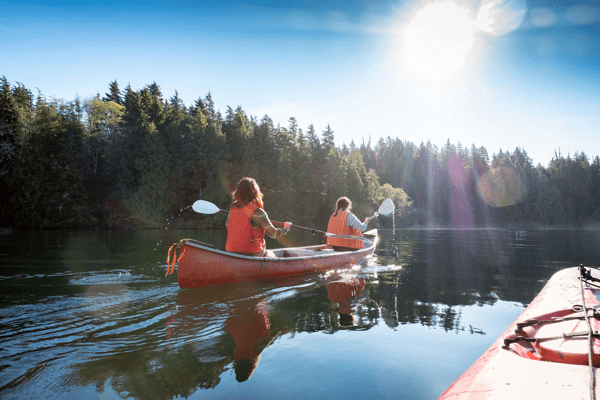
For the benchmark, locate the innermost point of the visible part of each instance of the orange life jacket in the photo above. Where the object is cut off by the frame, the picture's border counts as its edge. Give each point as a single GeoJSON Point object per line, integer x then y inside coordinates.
{"type": "Point", "coordinates": [242, 237]}
{"type": "Point", "coordinates": [337, 226]}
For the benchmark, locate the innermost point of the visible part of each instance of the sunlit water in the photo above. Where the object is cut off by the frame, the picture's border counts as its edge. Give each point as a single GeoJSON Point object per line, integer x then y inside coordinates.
{"type": "Point", "coordinates": [87, 314]}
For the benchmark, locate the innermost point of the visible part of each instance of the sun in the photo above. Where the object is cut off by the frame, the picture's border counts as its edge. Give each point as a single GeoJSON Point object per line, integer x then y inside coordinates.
{"type": "Point", "coordinates": [437, 40]}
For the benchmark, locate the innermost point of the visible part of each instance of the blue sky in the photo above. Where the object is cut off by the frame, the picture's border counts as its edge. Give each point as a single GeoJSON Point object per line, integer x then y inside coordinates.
{"type": "Point", "coordinates": [522, 73]}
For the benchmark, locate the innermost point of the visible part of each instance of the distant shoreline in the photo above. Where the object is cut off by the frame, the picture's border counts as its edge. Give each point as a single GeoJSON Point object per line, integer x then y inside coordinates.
{"type": "Point", "coordinates": [8, 231]}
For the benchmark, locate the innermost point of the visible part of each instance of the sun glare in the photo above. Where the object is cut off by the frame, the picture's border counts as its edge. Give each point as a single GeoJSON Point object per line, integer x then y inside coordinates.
{"type": "Point", "coordinates": [437, 40]}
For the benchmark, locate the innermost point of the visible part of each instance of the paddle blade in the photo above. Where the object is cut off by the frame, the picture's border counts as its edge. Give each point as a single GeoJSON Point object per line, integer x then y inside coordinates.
{"type": "Point", "coordinates": [387, 207]}
{"type": "Point", "coordinates": [205, 207]}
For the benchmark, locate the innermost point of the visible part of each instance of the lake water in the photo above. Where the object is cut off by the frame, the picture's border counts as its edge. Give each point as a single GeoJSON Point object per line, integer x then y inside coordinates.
{"type": "Point", "coordinates": [90, 314]}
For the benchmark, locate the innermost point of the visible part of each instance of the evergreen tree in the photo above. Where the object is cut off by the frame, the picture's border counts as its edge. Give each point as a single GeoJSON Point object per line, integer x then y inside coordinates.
{"type": "Point", "coordinates": [155, 91]}
{"type": "Point", "coordinates": [328, 137]}
{"type": "Point", "coordinates": [159, 114]}
{"type": "Point", "coordinates": [62, 160]}
{"type": "Point", "coordinates": [313, 139]}
{"type": "Point", "coordinates": [237, 135]}
{"type": "Point", "coordinates": [336, 181]}
{"type": "Point", "coordinates": [211, 112]}
{"type": "Point", "coordinates": [199, 111]}
{"type": "Point", "coordinates": [262, 151]}
{"type": "Point", "coordinates": [549, 209]}
{"type": "Point", "coordinates": [129, 147]}
{"type": "Point", "coordinates": [9, 124]}
{"type": "Point", "coordinates": [114, 94]}
{"type": "Point", "coordinates": [150, 203]}
{"type": "Point", "coordinates": [356, 176]}
{"type": "Point", "coordinates": [368, 155]}
{"type": "Point", "coordinates": [293, 128]}
{"type": "Point", "coordinates": [45, 190]}
{"type": "Point", "coordinates": [176, 109]}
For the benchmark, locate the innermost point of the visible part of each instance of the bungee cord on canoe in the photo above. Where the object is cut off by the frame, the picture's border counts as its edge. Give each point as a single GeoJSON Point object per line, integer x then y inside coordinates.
{"type": "Point", "coordinates": [561, 328]}
{"type": "Point", "coordinates": [586, 276]}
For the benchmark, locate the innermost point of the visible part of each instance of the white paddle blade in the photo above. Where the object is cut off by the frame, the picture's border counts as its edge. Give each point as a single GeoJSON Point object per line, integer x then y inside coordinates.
{"type": "Point", "coordinates": [205, 207]}
{"type": "Point", "coordinates": [387, 207]}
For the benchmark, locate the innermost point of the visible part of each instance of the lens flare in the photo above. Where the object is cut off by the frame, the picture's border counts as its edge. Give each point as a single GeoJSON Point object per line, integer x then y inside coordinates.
{"type": "Point", "coordinates": [499, 17]}
{"type": "Point", "coordinates": [501, 187]}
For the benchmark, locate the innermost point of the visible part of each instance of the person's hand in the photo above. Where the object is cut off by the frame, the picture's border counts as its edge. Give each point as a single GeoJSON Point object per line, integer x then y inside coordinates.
{"type": "Point", "coordinates": [368, 219]}
{"type": "Point", "coordinates": [286, 227]}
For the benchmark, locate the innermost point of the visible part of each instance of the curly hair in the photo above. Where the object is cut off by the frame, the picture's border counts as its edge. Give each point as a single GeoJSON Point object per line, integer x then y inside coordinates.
{"type": "Point", "coordinates": [247, 191]}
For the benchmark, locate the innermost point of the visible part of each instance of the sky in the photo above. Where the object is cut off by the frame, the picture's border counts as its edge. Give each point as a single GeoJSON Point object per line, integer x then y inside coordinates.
{"type": "Point", "coordinates": [495, 73]}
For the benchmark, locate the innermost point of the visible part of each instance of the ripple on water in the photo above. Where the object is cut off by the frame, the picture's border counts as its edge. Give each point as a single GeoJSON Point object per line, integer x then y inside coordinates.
{"type": "Point", "coordinates": [111, 315]}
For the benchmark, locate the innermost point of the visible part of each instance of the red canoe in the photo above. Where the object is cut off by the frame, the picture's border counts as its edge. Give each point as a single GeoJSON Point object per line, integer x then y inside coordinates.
{"type": "Point", "coordinates": [544, 353]}
{"type": "Point", "coordinates": [201, 264]}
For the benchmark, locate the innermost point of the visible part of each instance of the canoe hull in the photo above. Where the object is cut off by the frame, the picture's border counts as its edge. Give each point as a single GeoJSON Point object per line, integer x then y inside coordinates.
{"type": "Point", "coordinates": [201, 265]}
{"type": "Point", "coordinates": [514, 372]}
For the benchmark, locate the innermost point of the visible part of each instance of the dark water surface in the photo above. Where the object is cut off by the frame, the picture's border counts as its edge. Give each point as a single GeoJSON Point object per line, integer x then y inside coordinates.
{"type": "Point", "coordinates": [88, 314]}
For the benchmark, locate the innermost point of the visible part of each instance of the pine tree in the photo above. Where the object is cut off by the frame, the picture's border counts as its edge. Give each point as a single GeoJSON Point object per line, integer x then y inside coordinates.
{"type": "Point", "coordinates": [114, 94]}
{"type": "Point", "coordinates": [9, 123]}
{"type": "Point", "coordinates": [293, 128]}
{"type": "Point", "coordinates": [336, 182]}
{"type": "Point", "coordinates": [45, 185]}
{"type": "Point", "coordinates": [313, 139]}
{"type": "Point", "coordinates": [328, 137]}
{"type": "Point", "coordinates": [548, 206]}
{"type": "Point", "coordinates": [211, 112]}
{"type": "Point", "coordinates": [155, 91]}
{"type": "Point", "coordinates": [198, 112]}
{"type": "Point", "coordinates": [150, 202]}
{"type": "Point", "coordinates": [103, 120]}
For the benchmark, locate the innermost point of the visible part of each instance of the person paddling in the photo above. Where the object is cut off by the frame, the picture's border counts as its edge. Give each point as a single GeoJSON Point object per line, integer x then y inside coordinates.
{"type": "Point", "coordinates": [248, 222]}
{"type": "Point", "coordinates": [343, 222]}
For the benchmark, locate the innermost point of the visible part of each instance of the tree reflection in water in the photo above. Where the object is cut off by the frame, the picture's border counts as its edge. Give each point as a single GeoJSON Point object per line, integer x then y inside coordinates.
{"type": "Point", "coordinates": [222, 328]}
{"type": "Point", "coordinates": [210, 330]}
{"type": "Point", "coordinates": [423, 277]}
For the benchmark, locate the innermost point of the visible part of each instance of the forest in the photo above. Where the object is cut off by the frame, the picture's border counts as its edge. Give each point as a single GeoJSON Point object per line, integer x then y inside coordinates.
{"type": "Point", "coordinates": [136, 159]}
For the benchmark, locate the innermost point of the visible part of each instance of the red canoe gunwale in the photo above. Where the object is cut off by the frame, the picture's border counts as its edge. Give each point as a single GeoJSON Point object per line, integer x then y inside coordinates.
{"type": "Point", "coordinates": [523, 371]}
{"type": "Point", "coordinates": [201, 265]}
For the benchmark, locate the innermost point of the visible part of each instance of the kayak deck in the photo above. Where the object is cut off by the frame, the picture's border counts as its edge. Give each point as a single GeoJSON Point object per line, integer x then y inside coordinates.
{"type": "Point", "coordinates": [538, 356]}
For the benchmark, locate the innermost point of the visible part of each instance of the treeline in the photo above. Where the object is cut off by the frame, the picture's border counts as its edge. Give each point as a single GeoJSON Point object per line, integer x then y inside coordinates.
{"type": "Point", "coordinates": [133, 158]}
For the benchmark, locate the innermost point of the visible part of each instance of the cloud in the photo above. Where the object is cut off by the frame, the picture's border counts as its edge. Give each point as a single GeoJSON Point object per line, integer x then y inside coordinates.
{"type": "Point", "coordinates": [542, 17]}
{"type": "Point", "coordinates": [582, 14]}
{"type": "Point", "coordinates": [369, 23]}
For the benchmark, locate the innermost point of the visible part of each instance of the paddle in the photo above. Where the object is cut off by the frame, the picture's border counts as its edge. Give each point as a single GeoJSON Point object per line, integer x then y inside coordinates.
{"type": "Point", "coordinates": [386, 208]}
{"type": "Point", "coordinates": [205, 207]}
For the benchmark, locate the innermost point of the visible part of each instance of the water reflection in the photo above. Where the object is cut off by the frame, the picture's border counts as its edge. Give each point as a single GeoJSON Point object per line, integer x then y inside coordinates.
{"type": "Point", "coordinates": [250, 327]}
{"type": "Point", "coordinates": [90, 312]}
{"type": "Point", "coordinates": [346, 294]}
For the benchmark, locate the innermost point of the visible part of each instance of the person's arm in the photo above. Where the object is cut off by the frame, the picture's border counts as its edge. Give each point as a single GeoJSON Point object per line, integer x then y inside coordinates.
{"type": "Point", "coordinates": [356, 224]}
{"type": "Point", "coordinates": [261, 218]}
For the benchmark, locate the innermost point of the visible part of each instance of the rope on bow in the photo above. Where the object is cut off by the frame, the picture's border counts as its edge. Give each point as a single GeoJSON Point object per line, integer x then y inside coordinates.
{"type": "Point", "coordinates": [173, 250]}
